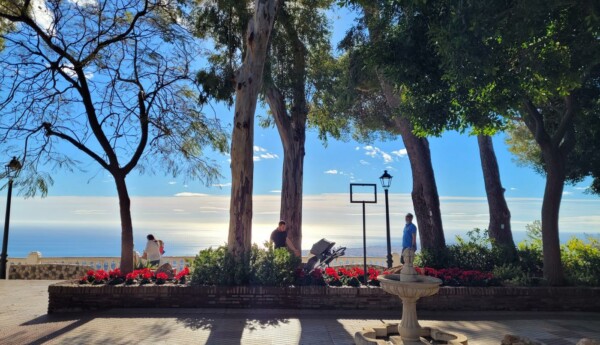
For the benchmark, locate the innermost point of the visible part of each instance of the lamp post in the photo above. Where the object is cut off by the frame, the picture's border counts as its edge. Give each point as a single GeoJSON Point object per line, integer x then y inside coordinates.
{"type": "Point", "coordinates": [386, 181]}
{"type": "Point", "coordinates": [12, 169]}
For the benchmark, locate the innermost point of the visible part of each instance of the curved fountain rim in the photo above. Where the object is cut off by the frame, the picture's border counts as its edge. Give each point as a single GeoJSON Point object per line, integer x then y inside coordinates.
{"type": "Point", "coordinates": [423, 280]}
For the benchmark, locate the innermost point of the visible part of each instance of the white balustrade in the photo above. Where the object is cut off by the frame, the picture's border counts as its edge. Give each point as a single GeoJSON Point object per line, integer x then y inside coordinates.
{"type": "Point", "coordinates": [178, 262]}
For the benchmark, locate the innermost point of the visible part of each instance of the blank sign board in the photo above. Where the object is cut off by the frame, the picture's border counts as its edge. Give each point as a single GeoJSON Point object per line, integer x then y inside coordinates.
{"type": "Point", "coordinates": [363, 193]}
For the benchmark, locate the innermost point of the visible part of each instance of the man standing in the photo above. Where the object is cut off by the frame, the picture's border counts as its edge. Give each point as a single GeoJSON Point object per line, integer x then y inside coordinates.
{"type": "Point", "coordinates": [280, 239]}
{"type": "Point", "coordinates": [409, 237]}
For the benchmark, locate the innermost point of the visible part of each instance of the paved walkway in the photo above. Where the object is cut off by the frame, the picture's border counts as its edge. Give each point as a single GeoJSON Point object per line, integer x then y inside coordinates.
{"type": "Point", "coordinates": [23, 320]}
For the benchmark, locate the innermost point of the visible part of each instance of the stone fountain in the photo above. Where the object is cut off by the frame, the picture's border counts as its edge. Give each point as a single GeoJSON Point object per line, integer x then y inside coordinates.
{"type": "Point", "coordinates": [409, 286]}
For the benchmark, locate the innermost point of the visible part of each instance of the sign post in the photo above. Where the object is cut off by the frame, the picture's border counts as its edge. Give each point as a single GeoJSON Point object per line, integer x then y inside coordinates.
{"type": "Point", "coordinates": [364, 193]}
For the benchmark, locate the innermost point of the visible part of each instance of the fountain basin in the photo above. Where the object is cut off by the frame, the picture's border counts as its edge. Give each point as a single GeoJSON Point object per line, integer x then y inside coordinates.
{"type": "Point", "coordinates": [387, 333]}
{"type": "Point", "coordinates": [421, 286]}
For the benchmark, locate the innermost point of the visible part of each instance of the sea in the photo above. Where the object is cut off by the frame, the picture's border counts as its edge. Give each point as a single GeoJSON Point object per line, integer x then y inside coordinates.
{"type": "Point", "coordinates": [61, 242]}
{"type": "Point", "coordinates": [90, 226]}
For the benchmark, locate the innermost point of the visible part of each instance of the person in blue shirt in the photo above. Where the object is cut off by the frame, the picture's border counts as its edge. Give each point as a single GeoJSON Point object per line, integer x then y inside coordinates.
{"type": "Point", "coordinates": [409, 237]}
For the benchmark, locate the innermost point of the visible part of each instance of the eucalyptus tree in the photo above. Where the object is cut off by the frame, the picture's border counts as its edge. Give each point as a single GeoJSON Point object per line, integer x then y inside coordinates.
{"type": "Point", "coordinates": [111, 79]}
{"type": "Point", "coordinates": [535, 62]}
{"type": "Point", "coordinates": [298, 46]}
{"type": "Point", "coordinates": [241, 32]}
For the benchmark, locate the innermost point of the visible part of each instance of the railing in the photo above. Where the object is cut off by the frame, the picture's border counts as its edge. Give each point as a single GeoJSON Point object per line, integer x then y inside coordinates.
{"type": "Point", "coordinates": [178, 262]}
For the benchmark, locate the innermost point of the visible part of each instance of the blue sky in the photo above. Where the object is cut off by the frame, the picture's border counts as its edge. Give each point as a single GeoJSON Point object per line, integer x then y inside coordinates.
{"type": "Point", "coordinates": [86, 200]}
{"type": "Point", "coordinates": [328, 169]}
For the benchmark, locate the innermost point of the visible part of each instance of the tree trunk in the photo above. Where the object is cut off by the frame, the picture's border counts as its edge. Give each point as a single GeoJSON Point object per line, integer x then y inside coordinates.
{"type": "Point", "coordinates": [248, 81]}
{"type": "Point", "coordinates": [555, 148]}
{"type": "Point", "coordinates": [126, 224]}
{"type": "Point", "coordinates": [555, 181]}
{"type": "Point", "coordinates": [499, 228]}
{"type": "Point", "coordinates": [291, 188]}
{"type": "Point", "coordinates": [292, 131]}
{"type": "Point", "coordinates": [424, 194]}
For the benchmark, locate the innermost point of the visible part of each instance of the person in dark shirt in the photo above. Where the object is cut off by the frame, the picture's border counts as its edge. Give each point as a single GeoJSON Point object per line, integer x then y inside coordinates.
{"type": "Point", "coordinates": [280, 239]}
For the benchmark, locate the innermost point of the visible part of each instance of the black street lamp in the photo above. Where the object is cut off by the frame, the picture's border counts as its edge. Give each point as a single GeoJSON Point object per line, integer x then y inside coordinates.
{"type": "Point", "coordinates": [12, 169]}
{"type": "Point", "coordinates": [386, 181]}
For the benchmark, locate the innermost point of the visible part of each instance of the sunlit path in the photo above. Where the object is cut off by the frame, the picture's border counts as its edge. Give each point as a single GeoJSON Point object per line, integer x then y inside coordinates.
{"type": "Point", "coordinates": [23, 320]}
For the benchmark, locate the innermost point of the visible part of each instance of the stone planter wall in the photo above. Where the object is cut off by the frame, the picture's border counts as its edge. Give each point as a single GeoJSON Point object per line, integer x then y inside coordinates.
{"type": "Point", "coordinates": [47, 271]}
{"type": "Point", "coordinates": [67, 296]}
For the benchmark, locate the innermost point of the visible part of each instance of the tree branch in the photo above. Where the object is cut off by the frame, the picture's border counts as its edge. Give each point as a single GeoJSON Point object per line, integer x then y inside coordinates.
{"type": "Point", "coordinates": [535, 123]}
{"type": "Point", "coordinates": [566, 122]}
{"type": "Point", "coordinates": [49, 131]}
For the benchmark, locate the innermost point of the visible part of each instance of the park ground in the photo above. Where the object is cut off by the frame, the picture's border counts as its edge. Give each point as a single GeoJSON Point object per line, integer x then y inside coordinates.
{"type": "Point", "coordinates": [23, 320]}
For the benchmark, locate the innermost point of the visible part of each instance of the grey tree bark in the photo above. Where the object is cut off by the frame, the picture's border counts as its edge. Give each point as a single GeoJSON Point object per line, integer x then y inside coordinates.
{"type": "Point", "coordinates": [248, 81]}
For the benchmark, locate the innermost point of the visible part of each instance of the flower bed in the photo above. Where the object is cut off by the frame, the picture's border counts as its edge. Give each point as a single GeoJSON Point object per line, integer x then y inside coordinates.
{"type": "Point", "coordinates": [334, 277]}
{"type": "Point", "coordinates": [330, 289]}
{"type": "Point", "coordinates": [137, 277]}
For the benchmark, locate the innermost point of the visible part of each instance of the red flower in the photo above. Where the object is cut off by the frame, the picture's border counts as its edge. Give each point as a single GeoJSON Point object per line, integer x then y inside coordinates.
{"type": "Point", "coordinates": [90, 272]}
{"type": "Point", "coordinates": [116, 273]}
{"type": "Point", "coordinates": [331, 272]}
{"type": "Point", "coordinates": [162, 275]}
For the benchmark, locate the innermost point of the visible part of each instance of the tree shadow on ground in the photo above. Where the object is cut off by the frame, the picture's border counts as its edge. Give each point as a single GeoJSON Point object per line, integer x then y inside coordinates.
{"type": "Point", "coordinates": [228, 328]}
{"type": "Point", "coordinates": [50, 327]}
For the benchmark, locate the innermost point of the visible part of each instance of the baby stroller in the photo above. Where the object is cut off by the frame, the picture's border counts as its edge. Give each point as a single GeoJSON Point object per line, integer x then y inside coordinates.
{"type": "Point", "coordinates": [322, 255]}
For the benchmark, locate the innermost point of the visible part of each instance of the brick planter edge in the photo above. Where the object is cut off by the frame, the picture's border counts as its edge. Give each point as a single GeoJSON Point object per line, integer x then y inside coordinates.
{"type": "Point", "coordinates": [68, 296]}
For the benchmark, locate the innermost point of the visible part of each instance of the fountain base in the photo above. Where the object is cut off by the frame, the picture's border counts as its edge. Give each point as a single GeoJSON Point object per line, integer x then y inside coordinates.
{"type": "Point", "coordinates": [387, 334]}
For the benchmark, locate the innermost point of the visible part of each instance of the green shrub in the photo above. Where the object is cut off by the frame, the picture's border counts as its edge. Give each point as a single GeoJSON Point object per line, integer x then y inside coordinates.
{"type": "Point", "coordinates": [529, 251]}
{"type": "Point", "coordinates": [477, 252]}
{"type": "Point", "coordinates": [268, 267]}
{"type": "Point", "coordinates": [274, 267]}
{"type": "Point", "coordinates": [219, 267]}
{"type": "Point", "coordinates": [507, 272]}
{"type": "Point", "coordinates": [581, 261]}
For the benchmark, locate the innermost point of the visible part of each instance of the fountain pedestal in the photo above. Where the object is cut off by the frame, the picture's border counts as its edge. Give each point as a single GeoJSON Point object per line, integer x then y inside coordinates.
{"type": "Point", "coordinates": [410, 286]}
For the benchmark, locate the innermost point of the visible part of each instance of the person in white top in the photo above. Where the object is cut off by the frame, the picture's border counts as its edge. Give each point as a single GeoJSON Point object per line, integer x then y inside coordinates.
{"type": "Point", "coordinates": [152, 251]}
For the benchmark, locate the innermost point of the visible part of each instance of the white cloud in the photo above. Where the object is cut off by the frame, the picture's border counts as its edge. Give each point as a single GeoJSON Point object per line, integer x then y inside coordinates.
{"type": "Point", "coordinates": [221, 185]}
{"type": "Point", "coordinates": [172, 182]}
{"type": "Point", "coordinates": [400, 153]}
{"type": "Point", "coordinates": [42, 16]}
{"type": "Point", "coordinates": [332, 172]}
{"type": "Point", "coordinates": [90, 212]}
{"type": "Point", "coordinates": [268, 156]}
{"type": "Point", "coordinates": [513, 188]}
{"type": "Point", "coordinates": [275, 191]}
{"type": "Point", "coordinates": [261, 153]}
{"type": "Point", "coordinates": [188, 194]}
{"type": "Point", "coordinates": [386, 157]}
{"type": "Point", "coordinates": [582, 188]}
{"type": "Point", "coordinates": [364, 162]}
{"type": "Point", "coordinates": [83, 3]}
{"type": "Point", "coordinates": [69, 70]}
{"type": "Point", "coordinates": [357, 148]}
{"type": "Point", "coordinates": [567, 193]}
{"type": "Point", "coordinates": [375, 152]}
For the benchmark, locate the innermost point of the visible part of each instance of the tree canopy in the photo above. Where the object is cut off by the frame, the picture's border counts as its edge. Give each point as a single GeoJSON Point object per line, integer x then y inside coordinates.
{"type": "Point", "coordinates": [111, 79]}
{"type": "Point", "coordinates": [96, 78]}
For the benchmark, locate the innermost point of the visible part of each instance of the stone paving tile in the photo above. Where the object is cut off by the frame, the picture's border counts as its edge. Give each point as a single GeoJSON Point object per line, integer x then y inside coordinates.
{"type": "Point", "coordinates": [23, 320]}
